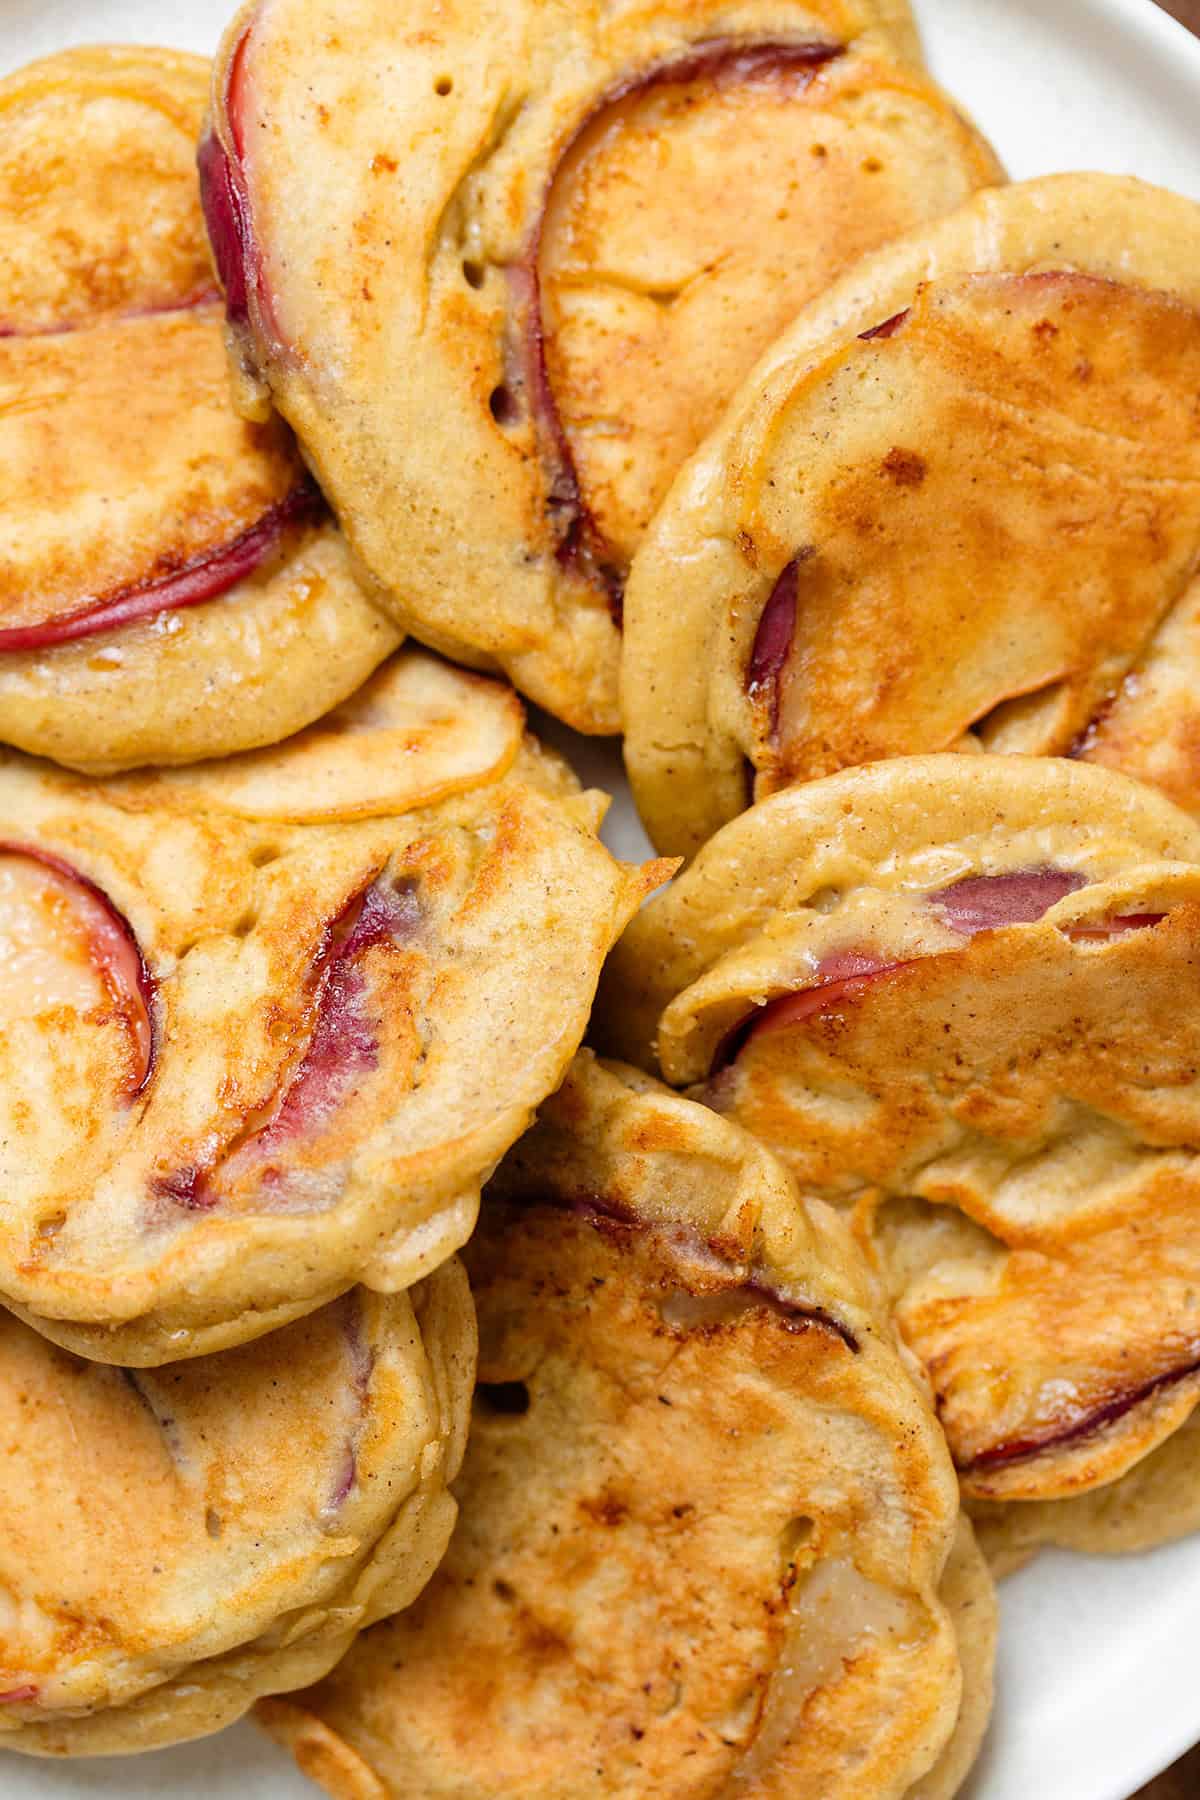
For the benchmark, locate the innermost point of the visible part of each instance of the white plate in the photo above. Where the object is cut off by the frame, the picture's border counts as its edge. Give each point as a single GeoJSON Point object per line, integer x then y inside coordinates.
{"type": "Point", "coordinates": [1098, 1690]}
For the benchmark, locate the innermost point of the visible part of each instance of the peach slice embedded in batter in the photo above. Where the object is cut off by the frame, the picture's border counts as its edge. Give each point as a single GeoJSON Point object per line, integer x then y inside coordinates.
{"type": "Point", "coordinates": [66, 952]}
{"type": "Point", "coordinates": [999, 505]}
{"type": "Point", "coordinates": [695, 211]}
{"type": "Point", "coordinates": [1012, 1121]}
{"type": "Point", "coordinates": [91, 543]}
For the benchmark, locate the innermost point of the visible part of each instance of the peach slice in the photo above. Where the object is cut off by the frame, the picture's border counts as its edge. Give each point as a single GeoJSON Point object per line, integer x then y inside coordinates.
{"type": "Point", "coordinates": [352, 1035]}
{"type": "Point", "coordinates": [894, 1077]}
{"type": "Point", "coordinates": [227, 211]}
{"type": "Point", "coordinates": [205, 576]}
{"type": "Point", "coordinates": [987, 902]}
{"type": "Point", "coordinates": [92, 544]}
{"type": "Point", "coordinates": [978, 903]}
{"type": "Point", "coordinates": [1001, 505]}
{"type": "Point", "coordinates": [63, 944]}
{"type": "Point", "coordinates": [696, 209]}
{"type": "Point", "coordinates": [596, 267]}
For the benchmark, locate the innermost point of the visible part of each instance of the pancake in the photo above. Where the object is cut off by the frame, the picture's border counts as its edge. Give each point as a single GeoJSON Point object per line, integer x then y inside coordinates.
{"type": "Point", "coordinates": [172, 585]}
{"type": "Point", "coordinates": [956, 506]}
{"type": "Point", "coordinates": [1158, 1502]}
{"type": "Point", "coordinates": [179, 1541]}
{"type": "Point", "coordinates": [471, 254]}
{"type": "Point", "coordinates": [952, 993]}
{"type": "Point", "coordinates": [969, 1596]}
{"type": "Point", "coordinates": [705, 1510]}
{"type": "Point", "coordinates": [269, 1023]}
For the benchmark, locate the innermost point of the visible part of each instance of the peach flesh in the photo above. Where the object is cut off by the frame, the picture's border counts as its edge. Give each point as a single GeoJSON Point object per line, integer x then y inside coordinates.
{"type": "Point", "coordinates": [64, 943]}
{"type": "Point", "coordinates": [205, 578]}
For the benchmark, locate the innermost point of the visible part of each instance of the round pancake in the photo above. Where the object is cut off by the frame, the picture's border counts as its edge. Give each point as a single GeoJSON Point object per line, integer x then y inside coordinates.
{"type": "Point", "coordinates": [957, 505]}
{"type": "Point", "coordinates": [242, 1515]}
{"type": "Point", "coordinates": [268, 1023]}
{"type": "Point", "coordinates": [172, 585]}
{"type": "Point", "coordinates": [471, 254]}
{"type": "Point", "coordinates": [1157, 1503]}
{"type": "Point", "coordinates": [953, 994]}
{"type": "Point", "coordinates": [705, 1510]}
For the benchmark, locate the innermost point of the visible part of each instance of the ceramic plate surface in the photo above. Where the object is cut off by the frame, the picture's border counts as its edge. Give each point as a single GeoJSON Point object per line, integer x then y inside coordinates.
{"type": "Point", "coordinates": [1097, 1683]}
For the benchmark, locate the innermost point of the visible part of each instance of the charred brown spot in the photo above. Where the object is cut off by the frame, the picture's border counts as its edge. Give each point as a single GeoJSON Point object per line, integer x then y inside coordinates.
{"type": "Point", "coordinates": [905, 467]}
{"type": "Point", "coordinates": [605, 1509]}
{"type": "Point", "coordinates": [540, 1640]}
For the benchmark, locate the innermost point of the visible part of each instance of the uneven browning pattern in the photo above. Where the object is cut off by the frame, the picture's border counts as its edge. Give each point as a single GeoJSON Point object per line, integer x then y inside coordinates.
{"type": "Point", "coordinates": [172, 588]}
{"type": "Point", "coordinates": [956, 1004]}
{"type": "Point", "coordinates": [245, 1515]}
{"type": "Point", "coordinates": [513, 206]}
{"type": "Point", "coordinates": [956, 506]}
{"type": "Point", "coordinates": [1041, 428]}
{"type": "Point", "coordinates": [704, 1510]}
{"type": "Point", "coordinates": [359, 980]}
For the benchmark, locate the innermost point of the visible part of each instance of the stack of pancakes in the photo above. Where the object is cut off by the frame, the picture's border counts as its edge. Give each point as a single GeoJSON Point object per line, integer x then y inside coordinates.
{"type": "Point", "coordinates": [502, 1418]}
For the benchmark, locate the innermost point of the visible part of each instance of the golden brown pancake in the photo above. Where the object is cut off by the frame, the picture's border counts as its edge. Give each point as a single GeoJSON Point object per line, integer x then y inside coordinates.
{"type": "Point", "coordinates": [268, 1023]}
{"type": "Point", "coordinates": [172, 586]}
{"type": "Point", "coordinates": [178, 1541]}
{"type": "Point", "coordinates": [956, 506]}
{"type": "Point", "coordinates": [705, 1512]}
{"type": "Point", "coordinates": [500, 265]}
{"type": "Point", "coordinates": [1157, 1503]}
{"type": "Point", "coordinates": [954, 994]}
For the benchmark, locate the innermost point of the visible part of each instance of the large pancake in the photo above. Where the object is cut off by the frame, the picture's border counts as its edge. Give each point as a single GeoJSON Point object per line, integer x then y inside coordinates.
{"type": "Point", "coordinates": [269, 1022]}
{"type": "Point", "coordinates": [171, 584]}
{"type": "Point", "coordinates": [959, 996]}
{"type": "Point", "coordinates": [956, 505]}
{"type": "Point", "coordinates": [178, 1541]}
{"type": "Point", "coordinates": [705, 1511]}
{"type": "Point", "coordinates": [499, 265]}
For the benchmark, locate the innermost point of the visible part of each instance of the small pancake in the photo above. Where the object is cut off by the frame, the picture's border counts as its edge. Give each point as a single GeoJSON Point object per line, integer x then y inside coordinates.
{"type": "Point", "coordinates": [242, 1515]}
{"type": "Point", "coordinates": [268, 1023]}
{"type": "Point", "coordinates": [172, 585]}
{"type": "Point", "coordinates": [705, 1510]}
{"type": "Point", "coordinates": [956, 506]}
{"type": "Point", "coordinates": [471, 253]}
{"type": "Point", "coordinates": [954, 994]}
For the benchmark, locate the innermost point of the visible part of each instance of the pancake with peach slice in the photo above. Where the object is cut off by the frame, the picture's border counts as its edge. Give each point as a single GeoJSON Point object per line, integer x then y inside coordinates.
{"type": "Point", "coordinates": [172, 585]}
{"type": "Point", "coordinates": [1157, 1502]}
{"type": "Point", "coordinates": [268, 1023]}
{"type": "Point", "coordinates": [956, 506]}
{"type": "Point", "coordinates": [958, 995]}
{"type": "Point", "coordinates": [501, 265]}
{"type": "Point", "coordinates": [178, 1541]}
{"type": "Point", "coordinates": [708, 1539]}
